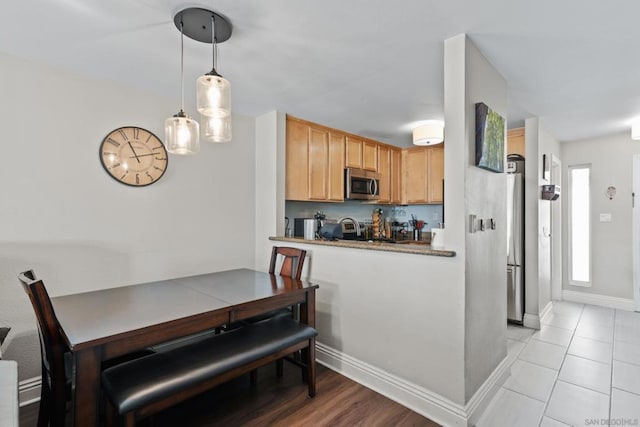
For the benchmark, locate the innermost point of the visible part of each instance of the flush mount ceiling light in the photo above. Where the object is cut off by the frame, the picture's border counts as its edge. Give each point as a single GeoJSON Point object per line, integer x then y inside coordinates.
{"type": "Point", "coordinates": [430, 132]}
{"type": "Point", "coordinates": [181, 132]}
{"type": "Point", "coordinates": [213, 92]}
{"type": "Point", "coordinates": [635, 131]}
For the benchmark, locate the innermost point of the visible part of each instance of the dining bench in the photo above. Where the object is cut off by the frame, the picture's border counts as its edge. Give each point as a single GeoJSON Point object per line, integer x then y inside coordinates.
{"type": "Point", "coordinates": [144, 386]}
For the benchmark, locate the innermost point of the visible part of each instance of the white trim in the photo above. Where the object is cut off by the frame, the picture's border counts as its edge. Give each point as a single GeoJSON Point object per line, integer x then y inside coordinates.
{"type": "Point", "coordinates": [635, 228]}
{"type": "Point", "coordinates": [596, 299]}
{"type": "Point", "coordinates": [483, 396]}
{"type": "Point", "coordinates": [29, 390]}
{"type": "Point", "coordinates": [531, 321]}
{"type": "Point", "coordinates": [419, 399]}
{"type": "Point", "coordinates": [546, 311]}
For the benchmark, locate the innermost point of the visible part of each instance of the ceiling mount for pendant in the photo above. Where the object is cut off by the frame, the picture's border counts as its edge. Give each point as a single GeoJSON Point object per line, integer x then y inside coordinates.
{"type": "Point", "coordinates": [197, 24]}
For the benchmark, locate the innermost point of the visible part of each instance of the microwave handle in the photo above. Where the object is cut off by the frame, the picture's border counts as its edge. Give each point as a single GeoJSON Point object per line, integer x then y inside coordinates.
{"type": "Point", "coordinates": [373, 187]}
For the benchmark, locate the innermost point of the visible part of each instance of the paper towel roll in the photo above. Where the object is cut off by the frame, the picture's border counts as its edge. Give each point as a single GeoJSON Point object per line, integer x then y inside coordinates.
{"type": "Point", "coordinates": [310, 227]}
{"type": "Point", "coordinates": [437, 237]}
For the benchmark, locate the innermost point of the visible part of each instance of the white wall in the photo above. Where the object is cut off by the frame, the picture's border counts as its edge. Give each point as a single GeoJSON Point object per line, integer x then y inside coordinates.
{"type": "Point", "coordinates": [62, 215]}
{"type": "Point", "coordinates": [482, 193]}
{"type": "Point", "coordinates": [611, 160]}
{"type": "Point", "coordinates": [538, 143]}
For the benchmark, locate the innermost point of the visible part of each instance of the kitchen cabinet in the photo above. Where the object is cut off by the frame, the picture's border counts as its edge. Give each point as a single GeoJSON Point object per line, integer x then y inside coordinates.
{"type": "Point", "coordinates": [353, 152]}
{"type": "Point", "coordinates": [314, 163]}
{"type": "Point", "coordinates": [384, 169]}
{"type": "Point", "coordinates": [423, 175]}
{"type": "Point", "coordinates": [515, 141]}
{"type": "Point", "coordinates": [396, 176]}
{"type": "Point", "coordinates": [370, 156]}
{"type": "Point", "coordinates": [436, 174]}
{"type": "Point", "coordinates": [361, 154]}
{"type": "Point", "coordinates": [389, 168]}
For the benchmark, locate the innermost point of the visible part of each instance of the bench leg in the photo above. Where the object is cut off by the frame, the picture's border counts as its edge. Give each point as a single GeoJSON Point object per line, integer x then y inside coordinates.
{"type": "Point", "coordinates": [311, 367]}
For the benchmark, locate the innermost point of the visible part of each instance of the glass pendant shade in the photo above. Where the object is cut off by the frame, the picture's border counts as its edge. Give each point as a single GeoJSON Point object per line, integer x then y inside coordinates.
{"type": "Point", "coordinates": [181, 134]}
{"type": "Point", "coordinates": [213, 95]}
{"type": "Point", "coordinates": [216, 129]}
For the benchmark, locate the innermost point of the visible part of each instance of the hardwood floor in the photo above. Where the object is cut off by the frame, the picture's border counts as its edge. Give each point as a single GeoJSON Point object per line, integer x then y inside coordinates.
{"type": "Point", "coordinates": [282, 402]}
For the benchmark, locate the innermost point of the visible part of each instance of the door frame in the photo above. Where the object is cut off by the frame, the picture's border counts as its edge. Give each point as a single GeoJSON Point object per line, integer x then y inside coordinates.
{"type": "Point", "coordinates": [556, 232]}
{"type": "Point", "coordinates": [635, 232]}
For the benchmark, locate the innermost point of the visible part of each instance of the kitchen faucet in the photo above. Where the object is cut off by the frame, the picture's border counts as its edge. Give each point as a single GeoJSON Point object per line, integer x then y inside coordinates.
{"type": "Point", "coordinates": [355, 223]}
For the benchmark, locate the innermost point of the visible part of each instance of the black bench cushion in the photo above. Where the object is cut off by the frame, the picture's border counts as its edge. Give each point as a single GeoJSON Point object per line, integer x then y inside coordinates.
{"type": "Point", "coordinates": [135, 384]}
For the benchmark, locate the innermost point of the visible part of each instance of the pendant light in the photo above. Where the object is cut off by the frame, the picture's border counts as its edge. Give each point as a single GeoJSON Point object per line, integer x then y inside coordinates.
{"type": "Point", "coordinates": [214, 98]}
{"type": "Point", "coordinates": [182, 133]}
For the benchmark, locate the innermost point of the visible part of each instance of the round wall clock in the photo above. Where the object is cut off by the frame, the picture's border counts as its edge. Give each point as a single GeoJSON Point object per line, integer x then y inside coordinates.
{"type": "Point", "coordinates": [133, 156]}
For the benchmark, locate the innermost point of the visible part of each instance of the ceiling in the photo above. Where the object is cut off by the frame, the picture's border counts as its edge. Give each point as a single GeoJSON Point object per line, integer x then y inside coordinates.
{"type": "Point", "coordinates": [370, 67]}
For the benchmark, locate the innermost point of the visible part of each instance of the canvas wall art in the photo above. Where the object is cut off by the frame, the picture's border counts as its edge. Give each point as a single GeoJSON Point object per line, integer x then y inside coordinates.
{"type": "Point", "coordinates": [490, 134]}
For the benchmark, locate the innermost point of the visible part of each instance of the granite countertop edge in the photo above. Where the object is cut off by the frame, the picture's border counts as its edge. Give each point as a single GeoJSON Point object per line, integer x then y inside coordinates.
{"type": "Point", "coordinates": [372, 246]}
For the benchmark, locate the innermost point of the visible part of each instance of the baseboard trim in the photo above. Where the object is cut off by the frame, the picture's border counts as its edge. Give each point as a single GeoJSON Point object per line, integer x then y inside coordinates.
{"type": "Point", "coordinates": [531, 321]}
{"type": "Point", "coordinates": [419, 399]}
{"type": "Point", "coordinates": [29, 391]}
{"type": "Point", "coordinates": [546, 311]}
{"type": "Point", "coordinates": [597, 299]}
{"type": "Point", "coordinates": [483, 396]}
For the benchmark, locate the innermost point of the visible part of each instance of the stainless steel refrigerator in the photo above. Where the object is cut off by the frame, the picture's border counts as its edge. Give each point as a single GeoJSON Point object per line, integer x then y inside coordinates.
{"type": "Point", "coordinates": [515, 238]}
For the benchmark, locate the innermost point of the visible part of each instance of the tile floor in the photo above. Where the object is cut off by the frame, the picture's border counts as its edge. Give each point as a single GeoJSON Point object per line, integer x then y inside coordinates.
{"type": "Point", "coordinates": [582, 368]}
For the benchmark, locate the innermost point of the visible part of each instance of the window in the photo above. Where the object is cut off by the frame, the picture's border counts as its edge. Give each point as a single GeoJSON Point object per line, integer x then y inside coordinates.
{"type": "Point", "coordinates": [579, 225]}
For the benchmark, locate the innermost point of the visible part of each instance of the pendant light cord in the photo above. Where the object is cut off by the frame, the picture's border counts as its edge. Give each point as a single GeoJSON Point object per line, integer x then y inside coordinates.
{"type": "Point", "coordinates": [181, 66]}
{"type": "Point", "coordinates": [213, 41]}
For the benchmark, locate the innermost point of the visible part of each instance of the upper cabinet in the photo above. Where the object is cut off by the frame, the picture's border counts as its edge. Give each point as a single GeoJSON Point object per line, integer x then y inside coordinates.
{"type": "Point", "coordinates": [314, 163]}
{"type": "Point", "coordinates": [515, 141]}
{"type": "Point", "coordinates": [361, 153]}
{"type": "Point", "coordinates": [316, 157]}
{"type": "Point", "coordinates": [424, 175]}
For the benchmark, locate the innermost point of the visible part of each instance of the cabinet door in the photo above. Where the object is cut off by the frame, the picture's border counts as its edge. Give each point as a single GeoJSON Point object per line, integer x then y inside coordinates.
{"type": "Point", "coordinates": [515, 141]}
{"type": "Point", "coordinates": [370, 156]}
{"type": "Point", "coordinates": [396, 174]}
{"type": "Point", "coordinates": [436, 174]}
{"type": "Point", "coordinates": [336, 167]}
{"type": "Point", "coordinates": [297, 161]}
{"type": "Point", "coordinates": [416, 162]}
{"type": "Point", "coordinates": [318, 164]}
{"type": "Point", "coordinates": [384, 168]}
{"type": "Point", "coordinates": [353, 157]}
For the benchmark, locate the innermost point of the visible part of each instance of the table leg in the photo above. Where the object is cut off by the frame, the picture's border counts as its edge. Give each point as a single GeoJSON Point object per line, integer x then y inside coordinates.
{"type": "Point", "coordinates": [308, 316]}
{"type": "Point", "coordinates": [86, 387]}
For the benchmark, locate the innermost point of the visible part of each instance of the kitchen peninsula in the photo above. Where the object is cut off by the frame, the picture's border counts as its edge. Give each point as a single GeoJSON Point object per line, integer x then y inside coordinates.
{"type": "Point", "coordinates": [403, 247]}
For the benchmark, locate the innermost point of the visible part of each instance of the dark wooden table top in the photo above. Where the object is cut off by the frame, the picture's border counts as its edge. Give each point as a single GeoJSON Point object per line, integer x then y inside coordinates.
{"type": "Point", "coordinates": [95, 316]}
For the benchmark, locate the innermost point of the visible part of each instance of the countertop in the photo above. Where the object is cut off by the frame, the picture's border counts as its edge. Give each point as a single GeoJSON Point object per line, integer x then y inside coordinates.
{"type": "Point", "coordinates": [410, 248]}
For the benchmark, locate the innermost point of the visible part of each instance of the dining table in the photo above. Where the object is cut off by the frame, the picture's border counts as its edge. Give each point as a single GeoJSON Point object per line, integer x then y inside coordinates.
{"type": "Point", "coordinates": [109, 323]}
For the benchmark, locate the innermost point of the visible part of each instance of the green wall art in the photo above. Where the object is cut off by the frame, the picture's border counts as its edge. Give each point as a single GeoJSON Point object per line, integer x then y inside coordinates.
{"type": "Point", "coordinates": [490, 134]}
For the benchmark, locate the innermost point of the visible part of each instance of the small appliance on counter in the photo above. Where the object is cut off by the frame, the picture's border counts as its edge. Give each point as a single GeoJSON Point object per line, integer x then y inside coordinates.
{"type": "Point", "coordinates": [351, 229]}
{"type": "Point", "coordinates": [305, 227]}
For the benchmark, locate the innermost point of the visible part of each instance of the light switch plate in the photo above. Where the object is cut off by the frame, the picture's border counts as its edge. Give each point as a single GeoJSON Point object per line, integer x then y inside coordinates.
{"type": "Point", "coordinates": [605, 217]}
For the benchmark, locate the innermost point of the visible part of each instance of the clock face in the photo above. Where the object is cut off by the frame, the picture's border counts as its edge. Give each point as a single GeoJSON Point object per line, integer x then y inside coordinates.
{"type": "Point", "coordinates": [133, 156]}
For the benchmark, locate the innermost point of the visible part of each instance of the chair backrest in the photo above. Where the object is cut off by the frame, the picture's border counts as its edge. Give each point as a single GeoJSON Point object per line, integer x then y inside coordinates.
{"type": "Point", "coordinates": [52, 345]}
{"type": "Point", "coordinates": [292, 263]}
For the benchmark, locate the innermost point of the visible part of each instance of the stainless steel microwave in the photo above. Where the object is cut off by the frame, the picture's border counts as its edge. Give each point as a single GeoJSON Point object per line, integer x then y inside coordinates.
{"type": "Point", "coordinates": [361, 185]}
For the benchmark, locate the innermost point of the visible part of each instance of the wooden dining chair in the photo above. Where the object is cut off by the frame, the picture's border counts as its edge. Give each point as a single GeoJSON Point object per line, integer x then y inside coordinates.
{"type": "Point", "coordinates": [55, 389]}
{"type": "Point", "coordinates": [292, 263]}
